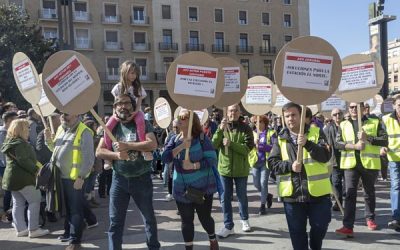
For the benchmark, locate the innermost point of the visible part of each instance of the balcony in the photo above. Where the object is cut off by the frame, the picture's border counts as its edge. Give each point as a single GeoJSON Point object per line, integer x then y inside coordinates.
{"type": "Point", "coordinates": [83, 44]}
{"type": "Point", "coordinates": [194, 47]}
{"type": "Point", "coordinates": [145, 21]}
{"type": "Point", "coordinates": [141, 47]}
{"type": "Point", "coordinates": [112, 74]}
{"type": "Point", "coordinates": [219, 48]}
{"type": "Point", "coordinates": [82, 16]}
{"type": "Point", "coordinates": [244, 50]}
{"type": "Point", "coordinates": [168, 47]}
{"type": "Point", "coordinates": [160, 77]}
{"type": "Point", "coordinates": [113, 46]}
{"type": "Point", "coordinates": [48, 14]}
{"type": "Point", "coordinates": [265, 51]}
{"type": "Point", "coordinates": [111, 19]}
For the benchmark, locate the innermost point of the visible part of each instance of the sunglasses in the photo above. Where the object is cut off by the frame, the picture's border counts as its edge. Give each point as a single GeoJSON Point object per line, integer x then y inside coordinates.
{"type": "Point", "coordinates": [352, 107]}
{"type": "Point", "coordinates": [183, 117]}
{"type": "Point", "coordinates": [336, 114]}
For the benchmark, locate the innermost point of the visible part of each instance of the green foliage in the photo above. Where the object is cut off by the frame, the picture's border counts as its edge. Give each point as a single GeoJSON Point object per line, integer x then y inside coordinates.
{"type": "Point", "coordinates": [17, 34]}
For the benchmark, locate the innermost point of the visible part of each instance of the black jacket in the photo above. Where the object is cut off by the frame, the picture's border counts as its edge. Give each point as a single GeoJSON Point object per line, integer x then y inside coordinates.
{"type": "Point", "coordinates": [319, 152]}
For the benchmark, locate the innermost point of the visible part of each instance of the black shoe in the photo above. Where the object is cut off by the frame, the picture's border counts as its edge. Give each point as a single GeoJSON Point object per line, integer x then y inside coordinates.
{"type": "Point", "coordinates": [51, 217]}
{"type": "Point", "coordinates": [263, 210]}
{"type": "Point", "coordinates": [269, 200]}
{"type": "Point", "coordinates": [335, 207]}
{"type": "Point", "coordinates": [394, 224]}
{"type": "Point", "coordinates": [64, 238]}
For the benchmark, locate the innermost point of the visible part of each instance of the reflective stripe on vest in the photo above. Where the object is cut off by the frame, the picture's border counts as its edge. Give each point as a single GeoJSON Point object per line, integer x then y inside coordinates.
{"type": "Point", "coordinates": [393, 131]}
{"type": "Point", "coordinates": [370, 157]}
{"type": "Point", "coordinates": [317, 173]}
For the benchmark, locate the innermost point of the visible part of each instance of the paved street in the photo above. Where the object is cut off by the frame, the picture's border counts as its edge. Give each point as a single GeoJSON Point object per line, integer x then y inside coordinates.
{"type": "Point", "coordinates": [269, 232]}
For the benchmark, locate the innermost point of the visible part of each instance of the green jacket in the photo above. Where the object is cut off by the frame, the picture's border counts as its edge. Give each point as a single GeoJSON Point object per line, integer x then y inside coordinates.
{"type": "Point", "coordinates": [19, 172]}
{"type": "Point", "coordinates": [235, 163]}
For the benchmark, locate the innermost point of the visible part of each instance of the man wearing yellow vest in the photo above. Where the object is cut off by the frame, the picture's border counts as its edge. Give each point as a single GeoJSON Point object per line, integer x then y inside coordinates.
{"type": "Point", "coordinates": [73, 155]}
{"type": "Point", "coordinates": [359, 158]}
{"type": "Point", "coordinates": [391, 122]}
{"type": "Point", "coordinates": [304, 186]}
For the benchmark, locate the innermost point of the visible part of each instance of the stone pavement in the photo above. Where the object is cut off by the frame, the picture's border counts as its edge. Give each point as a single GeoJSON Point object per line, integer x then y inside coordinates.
{"type": "Point", "coordinates": [269, 231]}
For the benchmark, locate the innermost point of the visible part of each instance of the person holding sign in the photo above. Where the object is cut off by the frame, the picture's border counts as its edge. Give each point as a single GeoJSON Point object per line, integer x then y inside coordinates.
{"type": "Point", "coordinates": [234, 167]}
{"type": "Point", "coordinates": [131, 177]}
{"type": "Point", "coordinates": [391, 122]}
{"type": "Point", "coordinates": [359, 158]}
{"type": "Point", "coordinates": [194, 182]}
{"type": "Point", "coordinates": [304, 186]}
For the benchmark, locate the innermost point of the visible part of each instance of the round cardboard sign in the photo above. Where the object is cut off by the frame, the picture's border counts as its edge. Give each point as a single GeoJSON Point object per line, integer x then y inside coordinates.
{"type": "Point", "coordinates": [362, 78]}
{"type": "Point", "coordinates": [202, 114]}
{"type": "Point", "coordinates": [235, 82]}
{"type": "Point", "coordinates": [260, 95]}
{"type": "Point", "coordinates": [331, 103]}
{"type": "Point", "coordinates": [280, 100]}
{"type": "Point", "coordinates": [71, 82]}
{"type": "Point", "coordinates": [387, 106]}
{"type": "Point", "coordinates": [162, 112]}
{"type": "Point", "coordinates": [195, 80]}
{"type": "Point", "coordinates": [26, 77]}
{"type": "Point", "coordinates": [44, 103]}
{"type": "Point", "coordinates": [307, 70]}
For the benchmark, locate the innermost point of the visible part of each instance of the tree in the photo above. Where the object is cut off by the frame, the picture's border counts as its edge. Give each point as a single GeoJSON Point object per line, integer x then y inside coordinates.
{"type": "Point", "coordinates": [18, 35]}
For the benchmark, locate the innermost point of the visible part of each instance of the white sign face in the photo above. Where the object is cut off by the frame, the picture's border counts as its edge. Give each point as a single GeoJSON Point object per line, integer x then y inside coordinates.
{"type": "Point", "coordinates": [25, 75]}
{"type": "Point", "coordinates": [259, 94]}
{"type": "Point", "coordinates": [370, 103]}
{"type": "Point", "coordinates": [43, 98]}
{"type": "Point", "coordinates": [307, 71]}
{"type": "Point", "coordinates": [333, 102]}
{"type": "Point", "coordinates": [200, 114]}
{"type": "Point", "coordinates": [232, 79]}
{"type": "Point", "coordinates": [196, 80]}
{"type": "Point", "coordinates": [388, 106]}
{"type": "Point", "coordinates": [280, 100]}
{"type": "Point", "coordinates": [358, 76]}
{"type": "Point", "coordinates": [69, 80]}
{"type": "Point", "coordinates": [161, 111]}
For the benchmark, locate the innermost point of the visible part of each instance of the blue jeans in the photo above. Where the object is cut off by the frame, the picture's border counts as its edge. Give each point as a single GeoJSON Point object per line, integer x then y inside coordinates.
{"type": "Point", "coordinates": [90, 182]}
{"type": "Point", "coordinates": [260, 179]}
{"type": "Point", "coordinates": [319, 215]}
{"type": "Point", "coordinates": [226, 201]}
{"type": "Point", "coordinates": [141, 190]}
{"type": "Point", "coordinates": [74, 202]}
{"type": "Point", "coordinates": [394, 168]}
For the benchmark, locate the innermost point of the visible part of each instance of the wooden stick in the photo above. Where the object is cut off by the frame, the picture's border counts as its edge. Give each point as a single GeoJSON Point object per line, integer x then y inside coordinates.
{"type": "Point", "coordinates": [51, 124]}
{"type": "Point", "coordinates": [301, 132]}
{"type": "Point", "coordinates": [226, 134]}
{"type": "Point", "coordinates": [282, 120]}
{"type": "Point", "coordinates": [258, 125]}
{"type": "Point", "coordinates": [359, 117]}
{"type": "Point", "coordinates": [42, 117]}
{"type": "Point", "coordinates": [337, 200]}
{"type": "Point", "coordinates": [100, 121]}
{"type": "Point", "coordinates": [189, 135]}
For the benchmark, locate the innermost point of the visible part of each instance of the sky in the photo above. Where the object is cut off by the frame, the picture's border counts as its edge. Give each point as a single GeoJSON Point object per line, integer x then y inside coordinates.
{"type": "Point", "coordinates": [344, 23]}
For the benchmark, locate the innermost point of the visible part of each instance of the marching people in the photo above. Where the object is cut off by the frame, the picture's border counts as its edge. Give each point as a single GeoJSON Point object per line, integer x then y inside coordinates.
{"type": "Point", "coordinates": [304, 186]}
{"type": "Point", "coordinates": [195, 174]}
{"type": "Point", "coordinates": [131, 175]}
{"type": "Point", "coordinates": [360, 158]}
{"type": "Point", "coordinates": [20, 178]}
{"type": "Point", "coordinates": [234, 167]}
{"type": "Point", "coordinates": [72, 160]}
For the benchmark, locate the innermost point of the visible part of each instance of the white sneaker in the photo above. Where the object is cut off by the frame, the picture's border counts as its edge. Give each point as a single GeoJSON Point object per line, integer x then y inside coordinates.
{"type": "Point", "coordinates": [92, 225]}
{"type": "Point", "coordinates": [246, 226]}
{"type": "Point", "coordinates": [23, 233]}
{"type": "Point", "coordinates": [169, 197]}
{"type": "Point", "coordinates": [224, 232]}
{"type": "Point", "coordinates": [38, 232]}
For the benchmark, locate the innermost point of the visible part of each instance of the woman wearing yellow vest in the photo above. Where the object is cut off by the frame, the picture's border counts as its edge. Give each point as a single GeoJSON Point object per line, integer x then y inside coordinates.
{"type": "Point", "coordinates": [359, 158]}
{"type": "Point", "coordinates": [304, 186]}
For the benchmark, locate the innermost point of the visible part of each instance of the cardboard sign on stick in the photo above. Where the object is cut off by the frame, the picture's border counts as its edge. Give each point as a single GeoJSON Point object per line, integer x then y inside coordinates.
{"type": "Point", "coordinates": [162, 112]}
{"type": "Point", "coordinates": [260, 95]}
{"type": "Point", "coordinates": [46, 107]}
{"type": "Point", "coordinates": [387, 106]}
{"type": "Point", "coordinates": [202, 114]}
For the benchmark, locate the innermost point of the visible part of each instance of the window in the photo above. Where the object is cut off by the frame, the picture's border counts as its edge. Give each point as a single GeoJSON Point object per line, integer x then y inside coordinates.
{"type": "Point", "coordinates": [110, 13]}
{"type": "Point", "coordinates": [395, 53]}
{"type": "Point", "coordinates": [167, 62]}
{"type": "Point", "coordinates": [246, 65]}
{"type": "Point", "coordinates": [142, 64]}
{"type": "Point", "coordinates": [49, 9]}
{"type": "Point", "coordinates": [265, 1]}
{"type": "Point", "coordinates": [243, 41]}
{"type": "Point", "coordinates": [265, 18]}
{"type": "Point", "coordinates": [139, 37]}
{"type": "Point", "coordinates": [18, 3]}
{"type": "Point", "coordinates": [218, 15]}
{"type": "Point", "coordinates": [166, 11]}
{"type": "Point", "coordinates": [242, 17]}
{"type": "Point", "coordinates": [287, 20]}
{"type": "Point", "coordinates": [390, 68]}
{"type": "Point", "coordinates": [268, 68]}
{"type": "Point", "coordinates": [395, 68]}
{"type": "Point", "coordinates": [138, 13]}
{"type": "Point", "coordinates": [194, 38]}
{"type": "Point", "coordinates": [288, 39]}
{"type": "Point", "coordinates": [219, 39]}
{"type": "Point", "coordinates": [266, 42]}
{"type": "Point", "coordinates": [49, 4]}
{"type": "Point", "coordinates": [50, 33]}
{"type": "Point", "coordinates": [112, 68]}
{"type": "Point", "coordinates": [193, 14]}
{"type": "Point", "coordinates": [396, 78]}
{"type": "Point", "coordinates": [82, 39]}
{"type": "Point", "coordinates": [80, 6]}
{"type": "Point", "coordinates": [112, 40]}
{"type": "Point", "coordinates": [167, 36]}
{"type": "Point", "coordinates": [80, 11]}
{"type": "Point", "coordinates": [287, 2]}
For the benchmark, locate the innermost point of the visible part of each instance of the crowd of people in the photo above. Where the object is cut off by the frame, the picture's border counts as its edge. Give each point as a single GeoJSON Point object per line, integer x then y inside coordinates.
{"type": "Point", "coordinates": [48, 176]}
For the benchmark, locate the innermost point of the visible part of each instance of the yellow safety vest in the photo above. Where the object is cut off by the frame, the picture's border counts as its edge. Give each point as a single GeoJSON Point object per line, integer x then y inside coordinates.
{"type": "Point", "coordinates": [370, 157]}
{"type": "Point", "coordinates": [76, 149]}
{"type": "Point", "coordinates": [253, 157]}
{"type": "Point", "coordinates": [317, 172]}
{"type": "Point", "coordinates": [393, 131]}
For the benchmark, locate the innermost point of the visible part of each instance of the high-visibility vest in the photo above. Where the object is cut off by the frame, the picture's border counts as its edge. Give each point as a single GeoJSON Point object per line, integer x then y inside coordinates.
{"type": "Point", "coordinates": [317, 172]}
{"type": "Point", "coordinates": [393, 131]}
{"type": "Point", "coordinates": [370, 157]}
{"type": "Point", "coordinates": [76, 149]}
{"type": "Point", "coordinates": [253, 157]}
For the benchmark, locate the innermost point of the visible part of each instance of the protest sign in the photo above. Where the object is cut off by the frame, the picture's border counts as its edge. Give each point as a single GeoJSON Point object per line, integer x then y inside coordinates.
{"type": "Point", "coordinates": [162, 112]}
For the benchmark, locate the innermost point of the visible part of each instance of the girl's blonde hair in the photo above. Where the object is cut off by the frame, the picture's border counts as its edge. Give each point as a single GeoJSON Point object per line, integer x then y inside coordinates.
{"type": "Point", "coordinates": [18, 128]}
{"type": "Point", "coordinates": [123, 78]}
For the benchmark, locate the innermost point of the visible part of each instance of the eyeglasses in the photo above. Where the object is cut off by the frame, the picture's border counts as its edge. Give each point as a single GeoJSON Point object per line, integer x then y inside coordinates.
{"type": "Point", "coordinates": [174, 127]}
{"type": "Point", "coordinates": [123, 103]}
{"type": "Point", "coordinates": [352, 107]}
{"type": "Point", "coordinates": [337, 114]}
{"type": "Point", "coordinates": [183, 117]}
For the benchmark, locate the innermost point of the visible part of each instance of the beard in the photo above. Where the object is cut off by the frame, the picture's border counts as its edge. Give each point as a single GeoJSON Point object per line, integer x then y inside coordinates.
{"type": "Point", "coordinates": [123, 114]}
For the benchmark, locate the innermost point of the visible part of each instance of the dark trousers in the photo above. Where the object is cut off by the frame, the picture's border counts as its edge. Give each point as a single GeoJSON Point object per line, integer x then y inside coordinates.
{"type": "Point", "coordinates": [352, 177]}
{"type": "Point", "coordinates": [338, 182]}
{"type": "Point", "coordinates": [384, 169]}
{"type": "Point", "coordinates": [7, 200]}
{"type": "Point", "coordinates": [169, 185]}
{"type": "Point", "coordinates": [187, 211]}
{"type": "Point", "coordinates": [319, 215]}
{"type": "Point", "coordinates": [105, 179]}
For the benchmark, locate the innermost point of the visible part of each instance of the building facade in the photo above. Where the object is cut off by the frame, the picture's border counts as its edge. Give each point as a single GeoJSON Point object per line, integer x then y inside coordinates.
{"type": "Point", "coordinates": [153, 33]}
{"type": "Point", "coordinates": [393, 65]}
